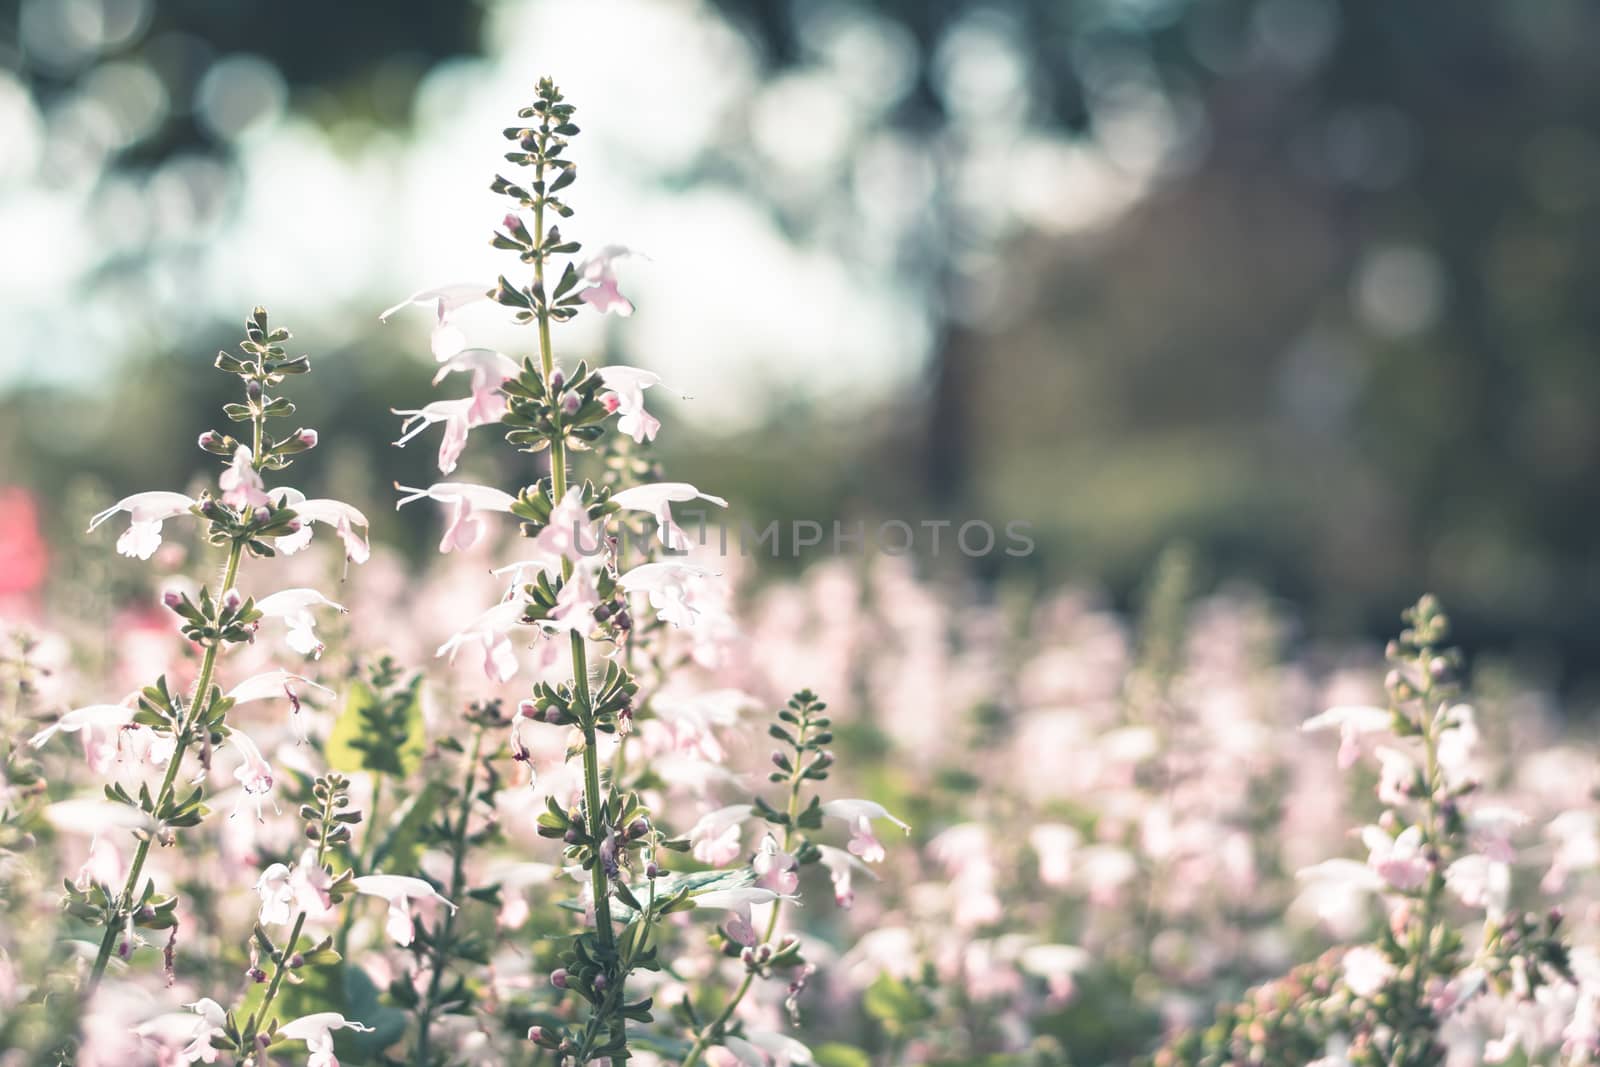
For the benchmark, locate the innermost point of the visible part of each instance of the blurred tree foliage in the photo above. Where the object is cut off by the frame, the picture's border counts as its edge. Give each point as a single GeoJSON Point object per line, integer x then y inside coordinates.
{"type": "Point", "coordinates": [1344, 345]}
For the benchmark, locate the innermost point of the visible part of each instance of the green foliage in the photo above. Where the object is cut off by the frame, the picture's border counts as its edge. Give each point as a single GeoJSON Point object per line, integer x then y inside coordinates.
{"type": "Point", "coordinates": [380, 729]}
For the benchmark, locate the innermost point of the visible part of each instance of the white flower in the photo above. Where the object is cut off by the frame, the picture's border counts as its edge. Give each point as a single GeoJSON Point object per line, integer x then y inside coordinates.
{"type": "Point", "coordinates": [294, 606]}
{"type": "Point", "coordinates": [341, 516]}
{"type": "Point", "coordinates": [254, 773]}
{"type": "Point", "coordinates": [657, 500]}
{"type": "Point", "coordinates": [317, 1032]}
{"type": "Point", "coordinates": [147, 511]}
{"type": "Point", "coordinates": [241, 483]}
{"type": "Point", "coordinates": [402, 893]}
{"type": "Point", "coordinates": [1480, 882]}
{"type": "Point", "coordinates": [671, 587]}
{"type": "Point", "coordinates": [1366, 970]}
{"type": "Point", "coordinates": [90, 718]}
{"type": "Point", "coordinates": [491, 630]}
{"type": "Point", "coordinates": [859, 814]}
{"type": "Point", "coordinates": [464, 500]}
{"type": "Point", "coordinates": [626, 387]}
{"type": "Point", "coordinates": [446, 300]}
{"type": "Point", "coordinates": [273, 684]}
{"type": "Point", "coordinates": [459, 418]}
{"type": "Point", "coordinates": [842, 867]}
{"type": "Point", "coordinates": [1351, 721]}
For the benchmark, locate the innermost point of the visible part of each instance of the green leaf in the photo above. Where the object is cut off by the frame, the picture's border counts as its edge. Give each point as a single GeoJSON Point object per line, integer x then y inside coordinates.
{"type": "Point", "coordinates": [835, 1054]}
{"type": "Point", "coordinates": [381, 734]}
{"type": "Point", "coordinates": [895, 1004]}
{"type": "Point", "coordinates": [399, 848]}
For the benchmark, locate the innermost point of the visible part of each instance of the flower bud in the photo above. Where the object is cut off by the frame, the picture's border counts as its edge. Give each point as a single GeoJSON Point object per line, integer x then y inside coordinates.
{"type": "Point", "coordinates": [553, 715]}
{"type": "Point", "coordinates": [558, 978]}
{"type": "Point", "coordinates": [211, 440]}
{"type": "Point", "coordinates": [558, 380]}
{"type": "Point", "coordinates": [528, 709]}
{"type": "Point", "coordinates": [600, 983]}
{"type": "Point", "coordinates": [172, 599]}
{"type": "Point", "coordinates": [296, 961]}
{"type": "Point", "coordinates": [256, 975]}
{"type": "Point", "coordinates": [294, 526]}
{"type": "Point", "coordinates": [779, 759]}
{"type": "Point", "coordinates": [307, 438]}
{"type": "Point", "coordinates": [638, 828]}
{"type": "Point", "coordinates": [623, 621]}
{"type": "Point", "coordinates": [261, 514]}
{"type": "Point", "coordinates": [231, 600]}
{"type": "Point", "coordinates": [253, 391]}
{"type": "Point", "coordinates": [572, 836]}
{"type": "Point", "coordinates": [208, 508]}
{"type": "Point", "coordinates": [651, 870]}
{"type": "Point", "coordinates": [570, 404]}
{"type": "Point", "coordinates": [611, 401]}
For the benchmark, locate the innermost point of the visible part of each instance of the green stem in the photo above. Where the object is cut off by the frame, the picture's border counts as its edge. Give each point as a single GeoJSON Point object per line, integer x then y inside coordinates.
{"type": "Point", "coordinates": [199, 706]}
{"type": "Point", "coordinates": [580, 665]}
{"type": "Point", "coordinates": [442, 945]}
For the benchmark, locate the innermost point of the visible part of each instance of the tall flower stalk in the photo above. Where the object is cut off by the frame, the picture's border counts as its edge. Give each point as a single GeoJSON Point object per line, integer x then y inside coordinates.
{"type": "Point", "coordinates": [243, 518]}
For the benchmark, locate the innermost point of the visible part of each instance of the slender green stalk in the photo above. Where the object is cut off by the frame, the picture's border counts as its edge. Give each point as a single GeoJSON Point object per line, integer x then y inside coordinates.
{"type": "Point", "coordinates": [580, 664]}
{"type": "Point", "coordinates": [199, 706]}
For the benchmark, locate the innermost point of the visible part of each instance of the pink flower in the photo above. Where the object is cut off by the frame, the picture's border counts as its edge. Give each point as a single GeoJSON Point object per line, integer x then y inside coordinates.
{"type": "Point", "coordinates": [294, 606]}
{"type": "Point", "coordinates": [101, 726]}
{"type": "Point", "coordinates": [254, 773]}
{"type": "Point", "coordinates": [714, 839]}
{"type": "Point", "coordinates": [404, 896]}
{"type": "Point", "coordinates": [1058, 965]}
{"type": "Point", "coordinates": [739, 925]}
{"type": "Point", "coordinates": [241, 483]}
{"type": "Point", "coordinates": [465, 501]}
{"type": "Point", "coordinates": [490, 370]}
{"type": "Point", "coordinates": [1397, 777]}
{"type": "Point", "coordinates": [317, 1032]}
{"type": "Point", "coordinates": [447, 339]}
{"type": "Point", "coordinates": [147, 511]}
{"type": "Point", "coordinates": [859, 814]}
{"type": "Point", "coordinates": [491, 630]}
{"type": "Point", "coordinates": [1351, 721]}
{"type": "Point", "coordinates": [341, 516]}
{"type": "Point", "coordinates": [1400, 860]}
{"type": "Point", "coordinates": [599, 271]}
{"type": "Point", "coordinates": [842, 867]}
{"type": "Point", "coordinates": [775, 869]}
{"type": "Point", "coordinates": [569, 535]}
{"type": "Point", "coordinates": [626, 398]}
{"type": "Point", "coordinates": [657, 500]}
{"type": "Point", "coordinates": [575, 603]}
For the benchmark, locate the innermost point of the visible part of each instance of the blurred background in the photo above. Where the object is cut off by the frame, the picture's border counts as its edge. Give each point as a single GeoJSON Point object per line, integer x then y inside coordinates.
{"type": "Point", "coordinates": [1305, 286]}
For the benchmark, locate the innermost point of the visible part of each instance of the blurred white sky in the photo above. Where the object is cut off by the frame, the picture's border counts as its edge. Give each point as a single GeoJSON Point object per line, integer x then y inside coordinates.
{"type": "Point", "coordinates": [328, 225]}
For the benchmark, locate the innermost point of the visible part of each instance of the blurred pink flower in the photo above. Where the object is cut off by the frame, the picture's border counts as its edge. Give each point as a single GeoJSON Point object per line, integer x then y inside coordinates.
{"type": "Point", "coordinates": [1352, 721]}
{"type": "Point", "coordinates": [24, 557]}
{"type": "Point", "coordinates": [859, 814]}
{"type": "Point", "coordinates": [775, 869]}
{"type": "Point", "coordinates": [599, 271]}
{"type": "Point", "coordinates": [714, 839]}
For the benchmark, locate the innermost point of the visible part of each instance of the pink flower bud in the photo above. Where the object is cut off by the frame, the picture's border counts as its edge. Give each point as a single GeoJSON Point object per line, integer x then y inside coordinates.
{"type": "Point", "coordinates": [528, 709]}
{"type": "Point", "coordinates": [172, 598]}
{"type": "Point", "coordinates": [611, 401]}
{"type": "Point", "coordinates": [261, 514]}
{"type": "Point", "coordinates": [558, 379]}
{"type": "Point", "coordinates": [232, 599]}
{"type": "Point", "coordinates": [308, 438]}
{"type": "Point", "coordinates": [558, 978]}
{"type": "Point", "coordinates": [210, 439]}
{"type": "Point", "coordinates": [570, 404]}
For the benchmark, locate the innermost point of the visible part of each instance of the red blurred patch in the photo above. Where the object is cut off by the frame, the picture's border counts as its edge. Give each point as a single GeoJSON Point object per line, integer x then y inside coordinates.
{"type": "Point", "coordinates": [24, 558]}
